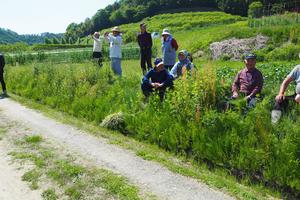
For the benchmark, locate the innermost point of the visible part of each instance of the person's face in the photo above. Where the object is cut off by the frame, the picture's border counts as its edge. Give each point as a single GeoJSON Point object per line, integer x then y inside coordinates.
{"type": "Point", "coordinates": [143, 28]}
{"type": "Point", "coordinates": [250, 63]}
{"type": "Point", "coordinates": [181, 56]}
{"type": "Point", "coordinates": [159, 67]}
{"type": "Point", "coordinates": [165, 37]}
{"type": "Point", "coordinates": [115, 33]}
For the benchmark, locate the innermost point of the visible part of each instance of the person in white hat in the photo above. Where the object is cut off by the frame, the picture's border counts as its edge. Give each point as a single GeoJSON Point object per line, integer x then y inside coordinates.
{"type": "Point", "coordinates": [97, 48]}
{"type": "Point", "coordinates": [115, 53]}
{"type": "Point", "coordinates": [281, 101]}
{"type": "Point", "coordinates": [169, 48]}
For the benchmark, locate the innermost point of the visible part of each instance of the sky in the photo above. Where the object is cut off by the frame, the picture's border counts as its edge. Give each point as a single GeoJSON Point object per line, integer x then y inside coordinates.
{"type": "Point", "coordinates": [38, 16]}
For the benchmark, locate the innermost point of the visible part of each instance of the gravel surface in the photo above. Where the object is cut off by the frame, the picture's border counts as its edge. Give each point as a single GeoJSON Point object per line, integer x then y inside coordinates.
{"type": "Point", "coordinates": [150, 177]}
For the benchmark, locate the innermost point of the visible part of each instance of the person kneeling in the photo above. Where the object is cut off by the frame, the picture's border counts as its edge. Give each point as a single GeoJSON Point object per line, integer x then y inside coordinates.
{"type": "Point", "coordinates": [182, 66]}
{"type": "Point", "coordinates": [249, 82]}
{"type": "Point", "coordinates": [157, 79]}
{"type": "Point", "coordinates": [281, 101]}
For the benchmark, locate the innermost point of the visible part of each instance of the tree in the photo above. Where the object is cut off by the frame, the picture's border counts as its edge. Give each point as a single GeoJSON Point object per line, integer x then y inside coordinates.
{"type": "Point", "coordinates": [255, 10]}
{"type": "Point", "coordinates": [47, 41]}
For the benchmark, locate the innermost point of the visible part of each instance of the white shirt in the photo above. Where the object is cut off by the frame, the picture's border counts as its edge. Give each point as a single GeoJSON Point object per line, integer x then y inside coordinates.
{"type": "Point", "coordinates": [115, 43]}
{"type": "Point", "coordinates": [97, 44]}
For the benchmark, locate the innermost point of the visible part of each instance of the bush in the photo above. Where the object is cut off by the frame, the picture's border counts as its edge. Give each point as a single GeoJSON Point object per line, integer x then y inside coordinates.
{"type": "Point", "coordinates": [114, 121]}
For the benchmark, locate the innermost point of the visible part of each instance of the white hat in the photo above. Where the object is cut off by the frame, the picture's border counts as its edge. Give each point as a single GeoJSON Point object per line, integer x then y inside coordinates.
{"type": "Point", "coordinates": [116, 29]}
{"type": "Point", "coordinates": [166, 32]}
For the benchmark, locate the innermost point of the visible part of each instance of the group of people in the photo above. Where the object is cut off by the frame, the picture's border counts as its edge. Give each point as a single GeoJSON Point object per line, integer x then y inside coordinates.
{"type": "Point", "coordinates": [248, 83]}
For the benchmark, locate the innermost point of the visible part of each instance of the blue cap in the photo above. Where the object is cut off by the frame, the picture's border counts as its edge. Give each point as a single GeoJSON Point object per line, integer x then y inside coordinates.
{"type": "Point", "coordinates": [250, 56]}
{"type": "Point", "coordinates": [157, 61]}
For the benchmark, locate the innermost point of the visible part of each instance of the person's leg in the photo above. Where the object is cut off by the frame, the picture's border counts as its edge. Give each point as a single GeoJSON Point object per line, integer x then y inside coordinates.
{"type": "Point", "coordinates": [148, 59]}
{"type": "Point", "coordinates": [100, 60]}
{"type": "Point", "coordinates": [279, 107]}
{"type": "Point", "coordinates": [2, 81]}
{"type": "Point", "coordinates": [143, 62]}
{"type": "Point", "coordinates": [116, 66]}
{"type": "Point", "coordinates": [251, 102]}
{"type": "Point", "coordinates": [147, 90]}
{"type": "Point", "coordinates": [161, 93]}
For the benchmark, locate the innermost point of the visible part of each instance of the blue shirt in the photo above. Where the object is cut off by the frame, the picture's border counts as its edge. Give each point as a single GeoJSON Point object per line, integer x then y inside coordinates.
{"type": "Point", "coordinates": [295, 74]}
{"type": "Point", "coordinates": [154, 76]}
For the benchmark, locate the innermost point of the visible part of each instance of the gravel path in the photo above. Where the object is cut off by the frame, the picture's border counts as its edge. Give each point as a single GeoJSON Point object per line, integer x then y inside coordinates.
{"type": "Point", "coordinates": [149, 176]}
{"type": "Point", "coordinates": [11, 185]}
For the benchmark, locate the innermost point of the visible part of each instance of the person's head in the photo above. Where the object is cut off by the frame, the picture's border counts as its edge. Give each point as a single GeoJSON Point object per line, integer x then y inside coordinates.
{"type": "Point", "coordinates": [96, 34]}
{"type": "Point", "coordinates": [165, 34]}
{"type": "Point", "coordinates": [143, 27]}
{"type": "Point", "coordinates": [158, 64]}
{"type": "Point", "coordinates": [250, 61]}
{"type": "Point", "coordinates": [116, 31]}
{"type": "Point", "coordinates": [182, 55]}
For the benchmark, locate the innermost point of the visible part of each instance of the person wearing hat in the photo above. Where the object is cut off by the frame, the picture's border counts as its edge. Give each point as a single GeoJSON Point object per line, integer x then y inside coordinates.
{"type": "Point", "coordinates": [281, 101]}
{"type": "Point", "coordinates": [183, 65]}
{"type": "Point", "coordinates": [158, 79]}
{"type": "Point", "coordinates": [145, 42]}
{"type": "Point", "coordinates": [115, 54]}
{"type": "Point", "coordinates": [2, 64]}
{"type": "Point", "coordinates": [97, 48]}
{"type": "Point", "coordinates": [169, 48]}
{"type": "Point", "coordinates": [248, 82]}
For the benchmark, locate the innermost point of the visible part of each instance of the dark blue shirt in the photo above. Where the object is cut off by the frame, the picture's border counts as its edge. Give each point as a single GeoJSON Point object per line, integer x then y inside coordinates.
{"type": "Point", "coordinates": [163, 77]}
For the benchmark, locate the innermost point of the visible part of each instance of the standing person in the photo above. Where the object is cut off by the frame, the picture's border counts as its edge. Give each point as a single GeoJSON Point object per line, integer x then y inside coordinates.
{"type": "Point", "coordinates": [97, 49]}
{"type": "Point", "coordinates": [2, 64]}
{"type": "Point", "coordinates": [169, 48]}
{"type": "Point", "coordinates": [248, 82]}
{"type": "Point", "coordinates": [115, 54]}
{"type": "Point", "coordinates": [158, 79]}
{"type": "Point", "coordinates": [281, 101]}
{"type": "Point", "coordinates": [145, 42]}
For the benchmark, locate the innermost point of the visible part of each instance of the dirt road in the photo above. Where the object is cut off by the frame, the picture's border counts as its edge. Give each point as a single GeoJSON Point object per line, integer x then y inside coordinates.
{"type": "Point", "coordinates": [149, 176]}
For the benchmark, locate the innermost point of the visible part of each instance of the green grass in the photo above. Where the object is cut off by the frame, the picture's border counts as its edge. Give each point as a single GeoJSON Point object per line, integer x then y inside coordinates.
{"type": "Point", "coordinates": [218, 178]}
{"type": "Point", "coordinates": [75, 180]}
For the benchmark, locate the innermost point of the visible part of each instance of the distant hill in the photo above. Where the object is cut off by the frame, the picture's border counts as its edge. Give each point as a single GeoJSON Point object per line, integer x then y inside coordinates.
{"type": "Point", "coordinates": [9, 37]}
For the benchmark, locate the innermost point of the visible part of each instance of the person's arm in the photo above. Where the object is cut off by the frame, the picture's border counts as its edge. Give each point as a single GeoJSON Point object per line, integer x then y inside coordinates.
{"type": "Point", "coordinates": [235, 85]}
{"type": "Point", "coordinates": [168, 81]}
{"type": "Point", "coordinates": [173, 71]}
{"type": "Point", "coordinates": [258, 87]}
{"type": "Point", "coordinates": [146, 78]}
{"type": "Point", "coordinates": [174, 44]}
{"type": "Point", "coordinates": [283, 87]}
{"type": "Point", "coordinates": [2, 61]}
{"type": "Point", "coordinates": [150, 39]}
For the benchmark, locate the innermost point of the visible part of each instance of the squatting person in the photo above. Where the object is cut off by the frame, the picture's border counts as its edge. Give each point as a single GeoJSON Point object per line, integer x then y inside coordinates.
{"type": "Point", "coordinates": [248, 82]}
{"type": "Point", "coordinates": [281, 101]}
{"type": "Point", "coordinates": [157, 79]}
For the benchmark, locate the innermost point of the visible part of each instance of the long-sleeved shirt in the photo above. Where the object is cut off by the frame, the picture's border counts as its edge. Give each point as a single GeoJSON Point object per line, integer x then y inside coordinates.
{"type": "Point", "coordinates": [2, 61]}
{"type": "Point", "coordinates": [145, 40]}
{"type": "Point", "coordinates": [176, 70]}
{"type": "Point", "coordinates": [115, 43]}
{"type": "Point", "coordinates": [163, 77]}
{"type": "Point", "coordinates": [248, 82]}
{"type": "Point", "coordinates": [97, 44]}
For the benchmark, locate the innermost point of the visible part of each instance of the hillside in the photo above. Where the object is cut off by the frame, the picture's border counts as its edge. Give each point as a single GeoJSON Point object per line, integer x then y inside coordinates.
{"type": "Point", "coordinates": [8, 37]}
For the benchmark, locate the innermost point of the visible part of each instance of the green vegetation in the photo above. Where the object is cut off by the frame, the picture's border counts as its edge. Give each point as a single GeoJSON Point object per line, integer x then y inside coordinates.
{"type": "Point", "coordinates": [73, 180]}
{"type": "Point", "coordinates": [187, 123]}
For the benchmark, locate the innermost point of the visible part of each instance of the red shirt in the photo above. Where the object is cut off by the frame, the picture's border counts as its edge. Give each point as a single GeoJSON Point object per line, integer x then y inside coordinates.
{"type": "Point", "coordinates": [248, 82]}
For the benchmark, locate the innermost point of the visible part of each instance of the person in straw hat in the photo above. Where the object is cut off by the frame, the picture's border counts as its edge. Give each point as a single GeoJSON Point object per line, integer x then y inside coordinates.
{"type": "Point", "coordinates": [115, 41]}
